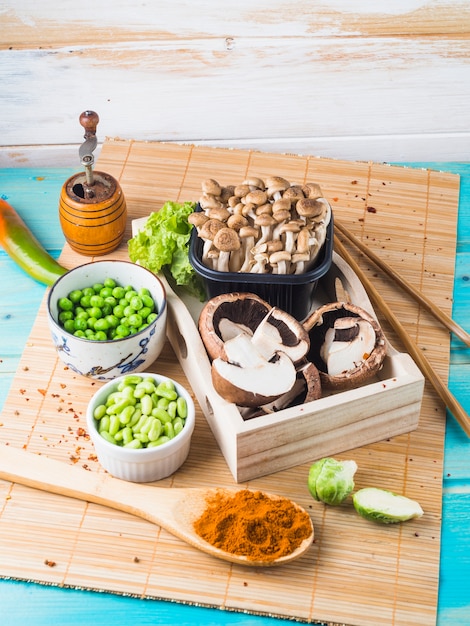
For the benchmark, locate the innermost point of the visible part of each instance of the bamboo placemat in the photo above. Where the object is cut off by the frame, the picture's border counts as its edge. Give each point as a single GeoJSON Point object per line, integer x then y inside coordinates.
{"type": "Point", "coordinates": [356, 572]}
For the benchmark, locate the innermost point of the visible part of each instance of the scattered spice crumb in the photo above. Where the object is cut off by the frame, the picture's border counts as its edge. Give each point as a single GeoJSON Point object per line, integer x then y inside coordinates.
{"type": "Point", "coordinates": [416, 534]}
{"type": "Point", "coordinates": [26, 368]}
{"type": "Point", "coordinates": [50, 563]}
{"type": "Point", "coordinates": [245, 584]}
{"type": "Point", "coordinates": [136, 559]}
{"type": "Point", "coordinates": [371, 209]}
{"type": "Point", "coordinates": [43, 392]}
{"type": "Point", "coordinates": [354, 182]}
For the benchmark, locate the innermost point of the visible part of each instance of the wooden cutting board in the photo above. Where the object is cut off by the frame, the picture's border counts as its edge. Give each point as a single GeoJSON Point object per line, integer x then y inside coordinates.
{"type": "Point", "coordinates": [356, 572]}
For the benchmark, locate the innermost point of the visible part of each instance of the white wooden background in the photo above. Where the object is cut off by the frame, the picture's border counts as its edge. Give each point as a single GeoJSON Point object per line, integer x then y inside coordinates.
{"type": "Point", "coordinates": [384, 80]}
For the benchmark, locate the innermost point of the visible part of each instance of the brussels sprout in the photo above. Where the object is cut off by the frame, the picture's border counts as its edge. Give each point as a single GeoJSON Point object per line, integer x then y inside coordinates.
{"type": "Point", "coordinates": [331, 481]}
{"type": "Point", "coordinates": [386, 507]}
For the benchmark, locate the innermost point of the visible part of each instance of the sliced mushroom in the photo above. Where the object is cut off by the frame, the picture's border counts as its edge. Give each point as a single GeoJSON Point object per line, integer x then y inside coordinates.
{"type": "Point", "coordinates": [222, 314]}
{"type": "Point", "coordinates": [280, 332]}
{"type": "Point", "coordinates": [246, 378]}
{"type": "Point", "coordinates": [347, 345]}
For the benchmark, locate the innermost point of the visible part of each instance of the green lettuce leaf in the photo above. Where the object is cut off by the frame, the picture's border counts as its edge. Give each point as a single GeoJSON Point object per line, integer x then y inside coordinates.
{"type": "Point", "coordinates": [163, 244]}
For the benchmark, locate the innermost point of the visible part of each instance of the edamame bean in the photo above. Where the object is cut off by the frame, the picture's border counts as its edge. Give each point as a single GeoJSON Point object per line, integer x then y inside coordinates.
{"type": "Point", "coordinates": [140, 413]}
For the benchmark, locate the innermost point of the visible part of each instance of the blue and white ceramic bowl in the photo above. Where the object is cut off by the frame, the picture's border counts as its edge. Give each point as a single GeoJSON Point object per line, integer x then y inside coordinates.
{"type": "Point", "coordinates": [105, 360]}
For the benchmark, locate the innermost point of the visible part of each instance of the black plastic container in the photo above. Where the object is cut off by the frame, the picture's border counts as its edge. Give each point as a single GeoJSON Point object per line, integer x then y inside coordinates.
{"type": "Point", "coordinates": [291, 292]}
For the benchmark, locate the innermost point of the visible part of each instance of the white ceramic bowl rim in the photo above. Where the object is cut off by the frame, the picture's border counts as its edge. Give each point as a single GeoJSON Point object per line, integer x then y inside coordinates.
{"type": "Point", "coordinates": [50, 298]}
{"type": "Point", "coordinates": [141, 454]}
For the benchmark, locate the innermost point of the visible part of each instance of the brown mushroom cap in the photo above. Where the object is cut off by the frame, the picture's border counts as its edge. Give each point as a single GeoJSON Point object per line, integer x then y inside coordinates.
{"type": "Point", "coordinates": [312, 190]}
{"type": "Point", "coordinates": [318, 324]}
{"type": "Point", "coordinates": [211, 186]}
{"type": "Point", "coordinates": [308, 207]}
{"type": "Point", "coordinates": [227, 314]}
{"type": "Point", "coordinates": [210, 228]}
{"type": "Point", "coordinates": [197, 218]}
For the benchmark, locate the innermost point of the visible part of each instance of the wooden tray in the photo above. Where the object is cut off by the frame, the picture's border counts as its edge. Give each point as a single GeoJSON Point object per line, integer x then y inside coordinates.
{"type": "Point", "coordinates": [389, 405]}
{"type": "Point", "coordinates": [356, 573]}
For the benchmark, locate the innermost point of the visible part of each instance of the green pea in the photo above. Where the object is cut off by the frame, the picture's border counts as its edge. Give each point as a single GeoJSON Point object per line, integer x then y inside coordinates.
{"type": "Point", "coordinates": [75, 295]}
{"type": "Point", "coordinates": [106, 292]}
{"type": "Point", "coordinates": [80, 323]}
{"type": "Point", "coordinates": [65, 304]}
{"type": "Point", "coordinates": [113, 321]}
{"type": "Point", "coordinates": [65, 316]}
{"type": "Point", "coordinates": [79, 333]}
{"type": "Point", "coordinates": [135, 320]}
{"type": "Point", "coordinates": [69, 326]}
{"type": "Point", "coordinates": [102, 324]}
{"type": "Point", "coordinates": [122, 331]}
{"type": "Point", "coordinates": [88, 291]}
{"type": "Point", "coordinates": [118, 292]}
{"type": "Point", "coordinates": [148, 301]}
{"type": "Point", "coordinates": [145, 312]}
{"type": "Point", "coordinates": [97, 300]}
{"type": "Point", "coordinates": [97, 287]}
{"type": "Point", "coordinates": [95, 311]}
{"type": "Point", "coordinates": [118, 311]}
{"type": "Point", "coordinates": [136, 303]}
{"type": "Point", "coordinates": [100, 335]}
{"type": "Point", "coordinates": [109, 282]}
{"type": "Point", "coordinates": [85, 301]}
{"type": "Point", "coordinates": [151, 318]}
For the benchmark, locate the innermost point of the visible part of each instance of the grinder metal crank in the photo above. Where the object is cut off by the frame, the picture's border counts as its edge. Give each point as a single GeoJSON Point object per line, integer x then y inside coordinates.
{"type": "Point", "coordinates": [92, 207]}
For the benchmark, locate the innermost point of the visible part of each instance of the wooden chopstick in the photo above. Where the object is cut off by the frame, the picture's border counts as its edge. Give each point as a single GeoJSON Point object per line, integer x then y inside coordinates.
{"type": "Point", "coordinates": [446, 396]}
{"type": "Point", "coordinates": [442, 317]}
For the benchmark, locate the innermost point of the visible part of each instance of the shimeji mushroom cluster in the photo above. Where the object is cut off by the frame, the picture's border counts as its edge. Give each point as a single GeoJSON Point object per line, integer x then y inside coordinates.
{"type": "Point", "coordinates": [261, 226]}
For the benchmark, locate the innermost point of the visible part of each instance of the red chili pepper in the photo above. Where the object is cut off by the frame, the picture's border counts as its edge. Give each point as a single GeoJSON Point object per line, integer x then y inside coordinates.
{"type": "Point", "coordinates": [22, 246]}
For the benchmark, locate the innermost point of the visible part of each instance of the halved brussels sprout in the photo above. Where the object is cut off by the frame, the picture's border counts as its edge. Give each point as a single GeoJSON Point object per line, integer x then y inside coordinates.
{"type": "Point", "coordinates": [386, 507]}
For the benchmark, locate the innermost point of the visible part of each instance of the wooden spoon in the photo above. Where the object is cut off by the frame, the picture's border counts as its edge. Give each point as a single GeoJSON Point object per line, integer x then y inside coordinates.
{"type": "Point", "coordinates": [174, 509]}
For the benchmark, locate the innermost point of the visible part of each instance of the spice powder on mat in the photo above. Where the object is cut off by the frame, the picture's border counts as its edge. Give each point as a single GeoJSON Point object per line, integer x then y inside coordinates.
{"type": "Point", "coordinates": [252, 524]}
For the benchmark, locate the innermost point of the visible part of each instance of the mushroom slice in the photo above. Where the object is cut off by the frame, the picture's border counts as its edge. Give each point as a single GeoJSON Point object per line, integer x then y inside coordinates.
{"type": "Point", "coordinates": [307, 388]}
{"type": "Point", "coordinates": [246, 378]}
{"type": "Point", "coordinates": [281, 332]}
{"type": "Point", "coordinates": [223, 314]}
{"type": "Point", "coordinates": [347, 345]}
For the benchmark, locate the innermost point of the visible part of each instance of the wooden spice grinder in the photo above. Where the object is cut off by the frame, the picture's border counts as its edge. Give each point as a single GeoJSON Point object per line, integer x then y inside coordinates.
{"type": "Point", "coordinates": [92, 207]}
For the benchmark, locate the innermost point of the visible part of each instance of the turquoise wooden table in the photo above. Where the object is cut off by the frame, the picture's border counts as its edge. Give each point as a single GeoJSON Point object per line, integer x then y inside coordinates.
{"type": "Point", "coordinates": [34, 193]}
